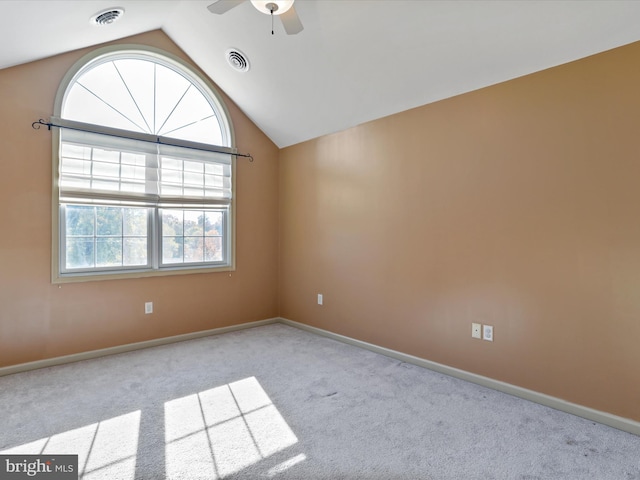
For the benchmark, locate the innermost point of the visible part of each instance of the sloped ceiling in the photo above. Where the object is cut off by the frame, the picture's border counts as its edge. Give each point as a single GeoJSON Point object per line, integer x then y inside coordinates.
{"type": "Point", "coordinates": [355, 60]}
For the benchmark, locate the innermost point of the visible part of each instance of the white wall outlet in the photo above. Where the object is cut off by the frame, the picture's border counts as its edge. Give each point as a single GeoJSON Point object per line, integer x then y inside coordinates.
{"type": "Point", "coordinates": [148, 307]}
{"type": "Point", "coordinates": [320, 299]}
{"type": "Point", "coordinates": [476, 330]}
{"type": "Point", "coordinates": [487, 333]}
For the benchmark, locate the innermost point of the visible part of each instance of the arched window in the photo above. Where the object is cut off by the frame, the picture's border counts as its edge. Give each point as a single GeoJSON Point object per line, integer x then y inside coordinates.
{"type": "Point", "coordinates": [145, 170]}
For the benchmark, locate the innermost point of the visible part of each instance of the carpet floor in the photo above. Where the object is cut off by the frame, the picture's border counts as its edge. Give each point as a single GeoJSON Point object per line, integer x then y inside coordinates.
{"type": "Point", "coordinates": [278, 402]}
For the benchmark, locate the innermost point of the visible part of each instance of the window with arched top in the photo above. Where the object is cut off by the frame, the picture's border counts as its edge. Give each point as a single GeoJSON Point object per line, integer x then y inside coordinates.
{"type": "Point", "coordinates": [144, 171]}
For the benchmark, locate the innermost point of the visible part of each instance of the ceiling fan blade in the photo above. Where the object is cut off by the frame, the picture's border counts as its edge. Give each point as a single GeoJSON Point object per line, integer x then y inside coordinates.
{"type": "Point", "coordinates": [291, 21]}
{"type": "Point", "coordinates": [222, 6]}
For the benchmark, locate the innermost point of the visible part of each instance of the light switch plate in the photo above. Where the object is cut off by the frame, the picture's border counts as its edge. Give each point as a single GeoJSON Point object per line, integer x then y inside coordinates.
{"type": "Point", "coordinates": [476, 330]}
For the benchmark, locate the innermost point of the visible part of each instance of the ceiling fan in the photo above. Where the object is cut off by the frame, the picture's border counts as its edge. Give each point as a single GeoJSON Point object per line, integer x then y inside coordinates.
{"type": "Point", "coordinates": [282, 8]}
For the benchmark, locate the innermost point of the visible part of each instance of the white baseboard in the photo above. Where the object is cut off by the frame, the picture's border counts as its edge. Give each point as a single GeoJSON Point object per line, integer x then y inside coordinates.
{"type": "Point", "coordinates": [50, 362]}
{"type": "Point", "coordinates": [605, 418]}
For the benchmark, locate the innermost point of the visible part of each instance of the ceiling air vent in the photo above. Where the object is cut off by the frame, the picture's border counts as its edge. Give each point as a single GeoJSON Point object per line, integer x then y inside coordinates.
{"type": "Point", "coordinates": [237, 60]}
{"type": "Point", "coordinates": [107, 17]}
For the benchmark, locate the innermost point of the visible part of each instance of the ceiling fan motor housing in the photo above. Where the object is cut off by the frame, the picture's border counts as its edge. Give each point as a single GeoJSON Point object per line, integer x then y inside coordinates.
{"type": "Point", "coordinates": [273, 7]}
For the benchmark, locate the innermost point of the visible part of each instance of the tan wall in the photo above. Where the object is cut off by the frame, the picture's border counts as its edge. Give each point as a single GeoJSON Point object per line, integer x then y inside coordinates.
{"type": "Point", "coordinates": [517, 206]}
{"type": "Point", "coordinates": [41, 320]}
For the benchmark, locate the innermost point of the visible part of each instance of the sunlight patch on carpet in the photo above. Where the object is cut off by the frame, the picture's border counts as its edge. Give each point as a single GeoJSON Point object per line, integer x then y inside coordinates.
{"type": "Point", "coordinates": [106, 450]}
{"type": "Point", "coordinates": [218, 432]}
{"type": "Point", "coordinates": [286, 465]}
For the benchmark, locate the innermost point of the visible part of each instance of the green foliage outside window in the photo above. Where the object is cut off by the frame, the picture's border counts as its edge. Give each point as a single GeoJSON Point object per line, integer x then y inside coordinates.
{"type": "Point", "coordinates": [99, 236]}
{"type": "Point", "coordinates": [191, 236]}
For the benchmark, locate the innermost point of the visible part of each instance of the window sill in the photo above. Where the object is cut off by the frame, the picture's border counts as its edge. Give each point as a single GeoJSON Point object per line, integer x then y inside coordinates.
{"type": "Point", "coordinates": [93, 277]}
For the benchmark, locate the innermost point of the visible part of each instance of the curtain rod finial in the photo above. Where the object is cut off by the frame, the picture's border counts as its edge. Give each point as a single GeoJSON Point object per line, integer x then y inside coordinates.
{"type": "Point", "coordinates": [36, 125]}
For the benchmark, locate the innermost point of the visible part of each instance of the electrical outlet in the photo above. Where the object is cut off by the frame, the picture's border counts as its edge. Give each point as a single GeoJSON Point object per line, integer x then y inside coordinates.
{"type": "Point", "coordinates": [476, 330]}
{"type": "Point", "coordinates": [320, 299]}
{"type": "Point", "coordinates": [487, 333]}
{"type": "Point", "coordinates": [148, 307]}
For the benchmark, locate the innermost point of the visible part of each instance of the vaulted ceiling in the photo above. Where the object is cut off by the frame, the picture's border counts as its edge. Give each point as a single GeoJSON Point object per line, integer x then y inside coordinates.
{"type": "Point", "coordinates": [355, 60]}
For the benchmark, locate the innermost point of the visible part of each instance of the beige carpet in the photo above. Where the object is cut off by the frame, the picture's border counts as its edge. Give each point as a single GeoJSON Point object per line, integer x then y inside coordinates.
{"type": "Point", "coordinates": [278, 402]}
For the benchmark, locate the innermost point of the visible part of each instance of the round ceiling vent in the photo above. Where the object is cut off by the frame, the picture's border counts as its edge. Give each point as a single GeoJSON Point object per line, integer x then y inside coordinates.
{"type": "Point", "coordinates": [237, 60]}
{"type": "Point", "coordinates": [107, 17]}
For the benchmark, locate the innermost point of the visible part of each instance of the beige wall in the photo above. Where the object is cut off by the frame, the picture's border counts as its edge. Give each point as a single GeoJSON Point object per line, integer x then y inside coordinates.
{"type": "Point", "coordinates": [517, 206]}
{"type": "Point", "coordinates": [41, 320]}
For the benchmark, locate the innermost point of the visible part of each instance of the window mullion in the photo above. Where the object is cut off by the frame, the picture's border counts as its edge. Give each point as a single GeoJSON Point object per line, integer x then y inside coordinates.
{"type": "Point", "coordinates": [152, 178]}
{"type": "Point", "coordinates": [153, 233]}
{"type": "Point", "coordinates": [95, 237]}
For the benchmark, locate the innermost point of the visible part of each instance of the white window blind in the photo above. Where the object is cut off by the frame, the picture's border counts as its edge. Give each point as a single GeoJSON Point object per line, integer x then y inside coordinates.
{"type": "Point", "coordinates": [96, 167]}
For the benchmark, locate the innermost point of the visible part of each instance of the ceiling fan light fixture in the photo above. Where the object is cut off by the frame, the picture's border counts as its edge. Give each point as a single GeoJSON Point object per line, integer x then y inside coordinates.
{"type": "Point", "coordinates": [266, 6]}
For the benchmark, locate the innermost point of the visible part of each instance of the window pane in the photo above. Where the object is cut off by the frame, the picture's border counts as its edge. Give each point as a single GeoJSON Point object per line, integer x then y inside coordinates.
{"type": "Point", "coordinates": [104, 99]}
{"type": "Point", "coordinates": [113, 185]}
{"type": "Point", "coordinates": [135, 222]}
{"type": "Point", "coordinates": [171, 164]}
{"type": "Point", "coordinates": [133, 159]}
{"type": "Point", "coordinates": [172, 248]}
{"type": "Point", "coordinates": [106, 169]}
{"type": "Point", "coordinates": [75, 166]}
{"type": "Point", "coordinates": [193, 192]}
{"type": "Point", "coordinates": [79, 253]}
{"type": "Point", "coordinates": [106, 247]}
{"type": "Point", "coordinates": [109, 221]}
{"type": "Point", "coordinates": [171, 176]}
{"type": "Point", "coordinates": [193, 222]}
{"type": "Point", "coordinates": [193, 167]}
{"type": "Point", "coordinates": [132, 187]}
{"type": "Point", "coordinates": [83, 106]}
{"type": "Point", "coordinates": [143, 95]}
{"type": "Point", "coordinates": [193, 179]}
{"type": "Point", "coordinates": [214, 181]}
{"type": "Point", "coordinates": [213, 249]}
{"type": "Point", "coordinates": [214, 169]}
{"type": "Point", "coordinates": [206, 130]}
{"type": "Point", "coordinates": [71, 183]}
{"type": "Point", "coordinates": [170, 88]}
{"type": "Point", "coordinates": [133, 173]}
{"type": "Point", "coordinates": [138, 75]}
{"type": "Point", "coordinates": [109, 252]}
{"type": "Point", "coordinates": [192, 106]}
{"type": "Point", "coordinates": [213, 223]}
{"type": "Point", "coordinates": [171, 191]}
{"type": "Point", "coordinates": [108, 156]}
{"type": "Point", "coordinates": [75, 151]}
{"type": "Point", "coordinates": [193, 249]}
{"type": "Point", "coordinates": [172, 222]}
{"type": "Point", "coordinates": [200, 241]}
{"type": "Point", "coordinates": [80, 220]}
{"type": "Point", "coordinates": [134, 251]}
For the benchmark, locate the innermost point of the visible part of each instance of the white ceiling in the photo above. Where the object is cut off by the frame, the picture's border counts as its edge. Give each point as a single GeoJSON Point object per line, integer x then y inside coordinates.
{"type": "Point", "coordinates": [355, 60]}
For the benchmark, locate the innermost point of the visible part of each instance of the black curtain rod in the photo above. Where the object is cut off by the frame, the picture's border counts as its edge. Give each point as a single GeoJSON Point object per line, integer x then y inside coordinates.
{"type": "Point", "coordinates": [40, 122]}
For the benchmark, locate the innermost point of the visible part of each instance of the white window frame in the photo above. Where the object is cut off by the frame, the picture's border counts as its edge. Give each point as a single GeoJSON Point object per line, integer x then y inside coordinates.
{"type": "Point", "coordinates": [155, 266]}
